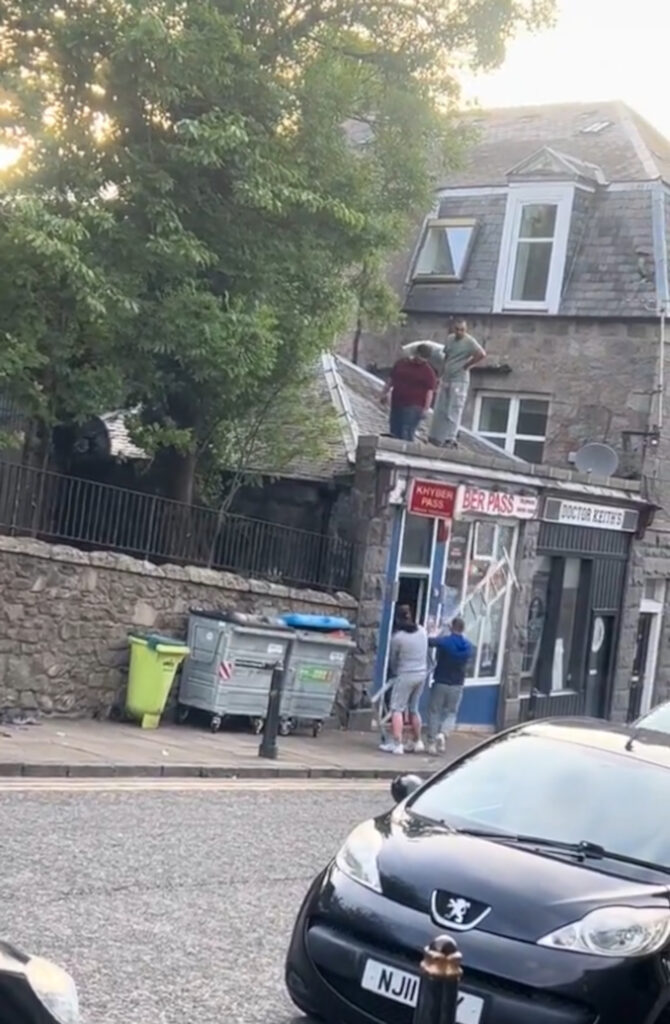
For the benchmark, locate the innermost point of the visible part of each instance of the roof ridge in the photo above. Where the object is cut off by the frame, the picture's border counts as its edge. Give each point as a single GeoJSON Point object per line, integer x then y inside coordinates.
{"type": "Point", "coordinates": [642, 150]}
{"type": "Point", "coordinates": [340, 400]}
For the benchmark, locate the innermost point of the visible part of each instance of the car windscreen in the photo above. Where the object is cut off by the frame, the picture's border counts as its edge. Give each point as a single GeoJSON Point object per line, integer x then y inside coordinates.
{"type": "Point", "coordinates": [560, 791]}
{"type": "Point", "coordinates": [657, 719]}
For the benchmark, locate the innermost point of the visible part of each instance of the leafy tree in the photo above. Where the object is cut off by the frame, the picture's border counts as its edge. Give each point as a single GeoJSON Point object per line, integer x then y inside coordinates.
{"type": "Point", "coordinates": [207, 190]}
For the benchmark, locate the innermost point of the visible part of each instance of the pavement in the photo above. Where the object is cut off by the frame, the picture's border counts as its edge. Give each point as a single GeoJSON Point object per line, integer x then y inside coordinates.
{"type": "Point", "coordinates": [85, 749]}
{"type": "Point", "coordinates": [171, 906]}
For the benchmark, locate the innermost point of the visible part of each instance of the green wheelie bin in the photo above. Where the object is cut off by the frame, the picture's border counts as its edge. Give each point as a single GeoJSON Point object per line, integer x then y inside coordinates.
{"type": "Point", "coordinates": [154, 661]}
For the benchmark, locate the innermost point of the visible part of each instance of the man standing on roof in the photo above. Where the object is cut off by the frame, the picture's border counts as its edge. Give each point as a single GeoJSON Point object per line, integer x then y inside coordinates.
{"type": "Point", "coordinates": [461, 353]}
{"type": "Point", "coordinates": [412, 385]}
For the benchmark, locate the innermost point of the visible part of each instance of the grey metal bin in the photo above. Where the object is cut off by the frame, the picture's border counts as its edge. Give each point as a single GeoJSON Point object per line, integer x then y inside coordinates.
{"type": "Point", "coordinates": [229, 667]}
{"type": "Point", "coordinates": [313, 678]}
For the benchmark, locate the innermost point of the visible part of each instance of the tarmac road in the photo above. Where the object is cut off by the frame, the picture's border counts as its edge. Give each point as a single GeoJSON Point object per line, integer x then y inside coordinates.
{"type": "Point", "coordinates": [170, 903]}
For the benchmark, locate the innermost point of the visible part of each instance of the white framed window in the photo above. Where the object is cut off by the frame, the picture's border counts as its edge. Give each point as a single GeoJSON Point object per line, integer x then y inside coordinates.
{"type": "Point", "coordinates": [533, 248]}
{"type": "Point", "coordinates": [515, 423]}
{"type": "Point", "coordinates": [444, 249]}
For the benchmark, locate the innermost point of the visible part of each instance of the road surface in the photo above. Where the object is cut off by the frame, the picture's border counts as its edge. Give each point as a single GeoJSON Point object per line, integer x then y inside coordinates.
{"type": "Point", "coordinates": [170, 902]}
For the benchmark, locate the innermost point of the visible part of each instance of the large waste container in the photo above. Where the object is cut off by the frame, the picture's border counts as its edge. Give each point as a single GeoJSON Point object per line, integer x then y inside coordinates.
{"type": "Point", "coordinates": [154, 661]}
{"type": "Point", "coordinates": [230, 666]}
{"type": "Point", "coordinates": [314, 671]}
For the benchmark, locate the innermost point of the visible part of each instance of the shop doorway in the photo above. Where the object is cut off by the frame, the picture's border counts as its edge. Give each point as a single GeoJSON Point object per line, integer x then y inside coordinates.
{"type": "Point", "coordinates": [599, 662]}
{"type": "Point", "coordinates": [645, 626]}
{"type": "Point", "coordinates": [414, 591]}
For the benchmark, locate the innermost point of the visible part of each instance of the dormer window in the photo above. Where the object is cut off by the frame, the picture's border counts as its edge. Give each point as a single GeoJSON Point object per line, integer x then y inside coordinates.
{"type": "Point", "coordinates": [444, 249]}
{"type": "Point", "coordinates": [533, 249]}
{"type": "Point", "coordinates": [534, 246]}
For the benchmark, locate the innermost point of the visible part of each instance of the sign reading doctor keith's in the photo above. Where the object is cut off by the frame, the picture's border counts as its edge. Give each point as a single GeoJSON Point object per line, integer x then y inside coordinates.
{"type": "Point", "coordinates": [596, 517]}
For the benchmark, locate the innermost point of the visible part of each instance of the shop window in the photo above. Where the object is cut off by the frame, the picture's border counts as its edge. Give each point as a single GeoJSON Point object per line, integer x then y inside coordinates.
{"type": "Point", "coordinates": [417, 544]}
{"type": "Point", "coordinates": [473, 549]}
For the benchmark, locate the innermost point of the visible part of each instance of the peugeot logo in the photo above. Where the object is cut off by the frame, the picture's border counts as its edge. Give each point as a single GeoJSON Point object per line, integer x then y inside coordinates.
{"type": "Point", "coordinates": [456, 911]}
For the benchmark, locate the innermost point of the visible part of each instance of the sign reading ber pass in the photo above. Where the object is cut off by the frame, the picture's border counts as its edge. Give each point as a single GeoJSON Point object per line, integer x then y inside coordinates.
{"type": "Point", "coordinates": [481, 501]}
{"type": "Point", "coordinates": [431, 498]}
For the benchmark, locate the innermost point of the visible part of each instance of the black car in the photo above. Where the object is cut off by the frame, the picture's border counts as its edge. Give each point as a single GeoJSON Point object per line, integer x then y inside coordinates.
{"type": "Point", "coordinates": [545, 851]}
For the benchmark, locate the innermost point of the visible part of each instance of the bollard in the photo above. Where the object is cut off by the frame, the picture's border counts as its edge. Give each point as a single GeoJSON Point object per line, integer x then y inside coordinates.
{"type": "Point", "coordinates": [441, 973]}
{"type": "Point", "coordinates": [268, 745]}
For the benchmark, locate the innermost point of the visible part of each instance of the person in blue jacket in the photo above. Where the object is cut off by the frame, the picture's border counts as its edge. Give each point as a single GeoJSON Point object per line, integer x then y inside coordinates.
{"type": "Point", "coordinates": [453, 651]}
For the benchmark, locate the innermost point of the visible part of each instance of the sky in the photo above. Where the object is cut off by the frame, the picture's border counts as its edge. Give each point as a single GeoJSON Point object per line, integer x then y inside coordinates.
{"type": "Point", "coordinates": [598, 50]}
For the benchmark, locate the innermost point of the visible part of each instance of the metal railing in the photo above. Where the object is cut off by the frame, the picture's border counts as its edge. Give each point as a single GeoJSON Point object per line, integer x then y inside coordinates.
{"type": "Point", "coordinates": [52, 506]}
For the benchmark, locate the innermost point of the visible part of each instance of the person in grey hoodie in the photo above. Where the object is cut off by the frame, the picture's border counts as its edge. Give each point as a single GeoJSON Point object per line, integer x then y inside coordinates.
{"type": "Point", "coordinates": [454, 651]}
{"type": "Point", "coordinates": [408, 663]}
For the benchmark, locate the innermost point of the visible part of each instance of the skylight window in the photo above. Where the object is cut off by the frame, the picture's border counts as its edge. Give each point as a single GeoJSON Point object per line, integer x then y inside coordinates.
{"type": "Point", "coordinates": [444, 250]}
{"type": "Point", "coordinates": [595, 127]}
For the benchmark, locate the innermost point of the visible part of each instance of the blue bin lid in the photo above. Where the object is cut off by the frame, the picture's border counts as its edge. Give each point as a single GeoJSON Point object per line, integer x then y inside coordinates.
{"type": "Point", "coordinates": [323, 623]}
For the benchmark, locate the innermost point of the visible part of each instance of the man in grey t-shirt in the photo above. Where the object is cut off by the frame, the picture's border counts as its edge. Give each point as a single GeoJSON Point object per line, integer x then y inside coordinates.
{"type": "Point", "coordinates": [461, 352]}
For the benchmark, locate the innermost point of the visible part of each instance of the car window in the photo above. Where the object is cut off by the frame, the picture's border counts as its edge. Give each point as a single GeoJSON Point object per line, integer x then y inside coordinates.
{"type": "Point", "coordinates": [658, 719]}
{"type": "Point", "coordinates": [543, 787]}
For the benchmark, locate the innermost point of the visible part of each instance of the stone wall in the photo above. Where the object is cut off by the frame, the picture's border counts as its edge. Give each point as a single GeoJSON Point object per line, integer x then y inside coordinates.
{"type": "Point", "coordinates": [598, 374]}
{"type": "Point", "coordinates": [372, 519]}
{"type": "Point", "coordinates": [65, 616]}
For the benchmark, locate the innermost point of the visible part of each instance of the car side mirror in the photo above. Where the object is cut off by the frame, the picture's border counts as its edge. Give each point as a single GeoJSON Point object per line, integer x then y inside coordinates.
{"type": "Point", "coordinates": [403, 786]}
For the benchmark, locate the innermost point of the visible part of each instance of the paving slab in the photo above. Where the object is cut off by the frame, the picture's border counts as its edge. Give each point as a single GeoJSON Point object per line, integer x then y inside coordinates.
{"type": "Point", "coordinates": [60, 747]}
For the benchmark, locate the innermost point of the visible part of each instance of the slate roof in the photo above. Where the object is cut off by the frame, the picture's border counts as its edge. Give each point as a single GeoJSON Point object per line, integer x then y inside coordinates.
{"type": "Point", "coordinates": [629, 149]}
{"type": "Point", "coordinates": [610, 265]}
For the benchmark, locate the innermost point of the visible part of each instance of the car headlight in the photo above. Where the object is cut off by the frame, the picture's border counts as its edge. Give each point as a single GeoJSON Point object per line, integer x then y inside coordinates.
{"type": "Point", "coordinates": [614, 932]}
{"type": "Point", "coordinates": [55, 989]}
{"type": "Point", "coordinates": [358, 856]}
{"type": "Point", "coordinates": [51, 985]}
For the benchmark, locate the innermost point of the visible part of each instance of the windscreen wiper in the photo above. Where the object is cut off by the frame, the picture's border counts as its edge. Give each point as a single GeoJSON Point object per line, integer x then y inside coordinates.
{"type": "Point", "coordinates": [584, 849]}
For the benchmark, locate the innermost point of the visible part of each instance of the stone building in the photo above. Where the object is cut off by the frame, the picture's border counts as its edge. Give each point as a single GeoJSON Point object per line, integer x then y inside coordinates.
{"type": "Point", "coordinates": [552, 241]}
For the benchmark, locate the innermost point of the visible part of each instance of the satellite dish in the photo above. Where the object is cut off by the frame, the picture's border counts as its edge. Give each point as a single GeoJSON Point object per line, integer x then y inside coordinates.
{"type": "Point", "coordinates": [599, 459]}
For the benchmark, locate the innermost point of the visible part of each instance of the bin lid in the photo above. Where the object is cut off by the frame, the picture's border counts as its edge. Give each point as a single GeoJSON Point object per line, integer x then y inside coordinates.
{"type": "Point", "coordinates": [241, 618]}
{"type": "Point", "coordinates": [322, 623]}
{"type": "Point", "coordinates": [154, 640]}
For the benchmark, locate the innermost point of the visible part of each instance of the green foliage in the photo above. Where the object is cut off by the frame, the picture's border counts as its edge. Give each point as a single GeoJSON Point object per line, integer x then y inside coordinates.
{"type": "Point", "coordinates": [207, 190]}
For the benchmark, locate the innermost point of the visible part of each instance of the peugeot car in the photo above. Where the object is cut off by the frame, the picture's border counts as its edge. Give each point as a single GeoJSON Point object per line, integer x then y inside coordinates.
{"type": "Point", "coordinates": [545, 852]}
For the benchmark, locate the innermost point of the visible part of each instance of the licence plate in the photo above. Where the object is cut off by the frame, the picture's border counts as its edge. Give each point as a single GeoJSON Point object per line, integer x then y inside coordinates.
{"type": "Point", "coordinates": [403, 987]}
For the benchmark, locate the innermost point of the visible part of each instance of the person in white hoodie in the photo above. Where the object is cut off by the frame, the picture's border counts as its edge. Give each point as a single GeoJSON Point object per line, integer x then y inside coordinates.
{"type": "Point", "coordinates": [408, 663]}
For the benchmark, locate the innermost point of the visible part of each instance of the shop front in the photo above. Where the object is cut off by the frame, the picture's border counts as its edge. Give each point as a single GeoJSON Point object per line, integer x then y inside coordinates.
{"type": "Point", "coordinates": [575, 608]}
{"type": "Point", "coordinates": [453, 552]}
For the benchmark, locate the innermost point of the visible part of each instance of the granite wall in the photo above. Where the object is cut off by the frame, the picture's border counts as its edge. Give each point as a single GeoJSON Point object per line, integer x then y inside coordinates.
{"type": "Point", "coordinates": [65, 616]}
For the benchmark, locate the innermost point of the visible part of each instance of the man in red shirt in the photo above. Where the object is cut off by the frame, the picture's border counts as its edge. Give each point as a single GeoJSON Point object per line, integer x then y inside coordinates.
{"type": "Point", "coordinates": [412, 386]}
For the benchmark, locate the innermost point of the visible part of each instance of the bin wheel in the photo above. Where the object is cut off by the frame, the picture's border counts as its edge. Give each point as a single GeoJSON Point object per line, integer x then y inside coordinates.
{"type": "Point", "coordinates": [215, 723]}
{"type": "Point", "coordinates": [317, 726]}
{"type": "Point", "coordinates": [257, 725]}
{"type": "Point", "coordinates": [285, 727]}
{"type": "Point", "coordinates": [116, 713]}
{"type": "Point", "coordinates": [183, 711]}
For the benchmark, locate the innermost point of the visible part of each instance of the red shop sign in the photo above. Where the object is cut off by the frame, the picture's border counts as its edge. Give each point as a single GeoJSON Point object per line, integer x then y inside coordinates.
{"type": "Point", "coordinates": [429, 498]}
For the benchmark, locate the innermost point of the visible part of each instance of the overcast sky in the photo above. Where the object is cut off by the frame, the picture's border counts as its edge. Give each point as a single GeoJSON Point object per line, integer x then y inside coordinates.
{"type": "Point", "coordinates": [599, 50]}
